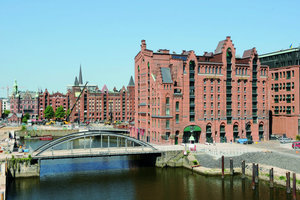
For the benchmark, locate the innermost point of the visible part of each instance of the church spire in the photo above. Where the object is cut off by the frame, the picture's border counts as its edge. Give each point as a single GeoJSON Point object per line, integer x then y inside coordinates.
{"type": "Point", "coordinates": [76, 82]}
{"type": "Point", "coordinates": [80, 76]}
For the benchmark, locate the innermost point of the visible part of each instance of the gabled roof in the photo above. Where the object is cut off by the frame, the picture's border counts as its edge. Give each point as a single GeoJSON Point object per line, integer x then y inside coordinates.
{"type": "Point", "coordinates": [166, 75]}
{"type": "Point", "coordinates": [104, 89]}
{"type": "Point", "coordinates": [219, 47]}
{"type": "Point", "coordinates": [247, 53]}
{"type": "Point", "coordinates": [131, 82]}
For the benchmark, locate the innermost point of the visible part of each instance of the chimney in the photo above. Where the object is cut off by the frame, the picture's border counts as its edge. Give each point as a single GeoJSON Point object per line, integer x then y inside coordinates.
{"type": "Point", "coordinates": [143, 45]}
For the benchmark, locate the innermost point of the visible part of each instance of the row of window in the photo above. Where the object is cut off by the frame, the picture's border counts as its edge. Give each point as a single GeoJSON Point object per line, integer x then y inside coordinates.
{"type": "Point", "coordinates": [282, 86]}
{"type": "Point", "coordinates": [288, 98]}
{"type": "Point", "coordinates": [285, 75]}
{"type": "Point", "coordinates": [282, 109]}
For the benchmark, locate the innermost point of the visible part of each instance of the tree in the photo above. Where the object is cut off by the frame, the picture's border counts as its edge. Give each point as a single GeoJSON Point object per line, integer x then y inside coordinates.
{"type": "Point", "coordinates": [68, 114]}
{"type": "Point", "coordinates": [60, 113]}
{"type": "Point", "coordinates": [25, 118]}
{"type": "Point", "coordinates": [5, 113]}
{"type": "Point", "coordinates": [49, 113]}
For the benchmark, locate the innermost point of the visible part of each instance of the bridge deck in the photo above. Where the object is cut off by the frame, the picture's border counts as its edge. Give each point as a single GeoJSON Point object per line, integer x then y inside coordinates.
{"type": "Point", "coordinates": [95, 152]}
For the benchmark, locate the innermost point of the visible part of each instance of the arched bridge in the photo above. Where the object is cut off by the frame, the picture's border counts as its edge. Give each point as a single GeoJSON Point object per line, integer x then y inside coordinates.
{"type": "Point", "coordinates": [93, 143]}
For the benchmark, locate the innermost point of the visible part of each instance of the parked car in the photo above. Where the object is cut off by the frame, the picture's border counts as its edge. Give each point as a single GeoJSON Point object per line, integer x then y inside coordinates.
{"type": "Point", "coordinates": [244, 141]}
{"type": "Point", "coordinates": [296, 145]}
{"type": "Point", "coordinates": [285, 140]}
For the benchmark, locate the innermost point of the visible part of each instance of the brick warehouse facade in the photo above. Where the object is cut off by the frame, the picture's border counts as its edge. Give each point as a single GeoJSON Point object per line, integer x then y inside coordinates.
{"type": "Point", "coordinates": [216, 97]}
{"type": "Point", "coordinates": [94, 105]}
{"type": "Point", "coordinates": [284, 87]}
{"type": "Point", "coordinates": [284, 100]}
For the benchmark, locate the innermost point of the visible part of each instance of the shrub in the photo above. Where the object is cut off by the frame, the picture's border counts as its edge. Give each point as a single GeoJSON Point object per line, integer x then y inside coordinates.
{"type": "Point", "coordinates": [298, 137]}
{"type": "Point", "coordinates": [281, 177]}
{"type": "Point", "coordinates": [195, 162]}
{"type": "Point", "coordinates": [23, 128]}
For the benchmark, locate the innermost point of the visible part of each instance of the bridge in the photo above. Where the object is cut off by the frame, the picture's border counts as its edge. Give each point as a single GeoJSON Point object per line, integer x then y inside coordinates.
{"type": "Point", "coordinates": [112, 143]}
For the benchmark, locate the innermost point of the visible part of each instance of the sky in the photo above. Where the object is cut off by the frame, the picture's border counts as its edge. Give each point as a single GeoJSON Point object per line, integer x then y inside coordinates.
{"type": "Point", "coordinates": [43, 43]}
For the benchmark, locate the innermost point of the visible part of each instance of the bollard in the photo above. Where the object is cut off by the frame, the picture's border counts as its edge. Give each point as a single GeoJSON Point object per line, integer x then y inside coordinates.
{"type": "Point", "coordinates": [294, 186]}
{"type": "Point", "coordinates": [243, 169]}
{"type": "Point", "coordinates": [288, 183]}
{"type": "Point", "coordinates": [271, 178]}
{"type": "Point", "coordinates": [222, 167]}
{"type": "Point", "coordinates": [256, 174]}
{"type": "Point", "coordinates": [2, 195]}
{"type": "Point", "coordinates": [231, 167]}
{"type": "Point", "coordinates": [253, 176]}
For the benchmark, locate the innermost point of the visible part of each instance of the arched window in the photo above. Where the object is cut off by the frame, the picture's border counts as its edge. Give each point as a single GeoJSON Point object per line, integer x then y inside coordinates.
{"type": "Point", "coordinates": [205, 70]}
{"type": "Point", "coordinates": [243, 71]}
{"type": "Point", "coordinates": [236, 71]}
{"type": "Point", "coordinates": [209, 70]}
{"type": "Point", "coordinates": [148, 65]}
{"type": "Point", "coordinates": [212, 70]}
{"type": "Point", "coordinates": [220, 70]}
{"type": "Point", "coordinates": [240, 71]}
{"type": "Point", "coordinates": [138, 68]}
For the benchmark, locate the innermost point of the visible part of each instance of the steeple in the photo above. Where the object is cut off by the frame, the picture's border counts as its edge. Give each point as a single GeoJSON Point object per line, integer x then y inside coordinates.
{"type": "Point", "coordinates": [80, 76]}
{"type": "Point", "coordinates": [131, 82]}
{"type": "Point", "coordinates": [16, 91]}
{"type": "Point", "coordinates": [76, 82]}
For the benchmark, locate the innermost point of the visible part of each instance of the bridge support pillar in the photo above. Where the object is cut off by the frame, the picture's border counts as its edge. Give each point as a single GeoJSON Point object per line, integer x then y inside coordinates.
{"type": "Point", "coordinates": [101, 141]}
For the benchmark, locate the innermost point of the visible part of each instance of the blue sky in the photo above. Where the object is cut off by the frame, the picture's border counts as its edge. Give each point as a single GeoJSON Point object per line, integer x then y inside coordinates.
{"type": "Point", "coordinates": [42, 43]}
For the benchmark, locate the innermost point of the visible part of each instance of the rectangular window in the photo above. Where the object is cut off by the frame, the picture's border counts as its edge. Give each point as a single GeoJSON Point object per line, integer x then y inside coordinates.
{"type": "Point", "coordinates": [276, 76]}
{"type": "Point", "coordinates": [288, 86]}
{"type": "Point", "coordinates": [204, 88]}
{"type": "Point", "coordinates": [177, 118]}
{"type": "Point", "coordinates": [238, 97]}
{"type": "Point", "coordinates": [167, 111]}
{"type": "Point", "coordinates": [204, 104]}
{"type": "Point", "coordinates": [211, 89]}
{"type": "Point", "coordinates": [288, 75]}
{"type": "Point", "coordinates": [167, 124]}
{"type": "Point", "coordinates": [211, 104]}
{"type": "Point", "coordinates": [212, 97]}
{"type": "Point", "coordinates": [177, 106]}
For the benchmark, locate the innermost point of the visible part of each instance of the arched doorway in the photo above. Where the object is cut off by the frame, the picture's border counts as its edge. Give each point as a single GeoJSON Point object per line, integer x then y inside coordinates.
{"type": "Point", "coordinates": [235, 132]}
{"type": "Point", "coordinates": [261, 131]}
{"type": "Point", "coordinates": [176, 137]}
{"type": "Point", "coordinates": [248, 131]}
{"type": "Point", "coordinates": [209, 138]}
{"type": "Point", "coordinates": [191, 130]}
{"type": "Point", "coordinates": [222, 134]}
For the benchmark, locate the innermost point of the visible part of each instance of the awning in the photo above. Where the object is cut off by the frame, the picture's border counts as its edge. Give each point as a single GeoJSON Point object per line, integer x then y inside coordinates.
{"type": "Point", "coordinates": [188, 128]}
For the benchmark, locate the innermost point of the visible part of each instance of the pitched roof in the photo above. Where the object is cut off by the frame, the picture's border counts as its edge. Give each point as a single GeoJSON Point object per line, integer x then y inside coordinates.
{"type": "Point", "coordinates": [219, 47]}
{"type": "Point", "coordinates": [76, 83]}
{"type": "Point", "coordinates": [131, 82]}
{"type": "Point", "coordinates": [247, 53]}
{"type": "Point", "coordinates": [104, 89]}
{"type": "Point", "coordinates": [166, 75]}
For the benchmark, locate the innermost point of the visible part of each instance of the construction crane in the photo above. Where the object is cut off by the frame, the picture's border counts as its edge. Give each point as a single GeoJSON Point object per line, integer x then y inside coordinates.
{"type": "Point", "coordinates": [67, 117]}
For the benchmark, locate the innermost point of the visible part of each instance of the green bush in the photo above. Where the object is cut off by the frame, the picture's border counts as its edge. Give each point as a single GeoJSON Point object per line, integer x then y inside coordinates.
{"type": "Point", "coordinates": [195, 162]}
{"type": "Point", "coordinates": [298, 137]}
{"type": "Point", "coordinates": [281, 177]}
{"type": "Point", "coordinates": [23, 128]}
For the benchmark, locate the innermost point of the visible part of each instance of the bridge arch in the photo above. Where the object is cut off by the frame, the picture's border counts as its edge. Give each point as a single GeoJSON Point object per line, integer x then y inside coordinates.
{"type": "Point", "coordinates": [86, 134]}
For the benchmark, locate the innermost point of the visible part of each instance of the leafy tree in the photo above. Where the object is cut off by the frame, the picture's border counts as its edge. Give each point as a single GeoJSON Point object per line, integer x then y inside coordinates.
{"type": "Point", "coordinates": [68, 113]}
{"type": "Point", "coordinates": [5, 113]}
{"type": "Point", "coordinates": [49, 113]}
{"type": "Point", "coordinates": [60, 113]}
{"type": "Point", "coordinates": [25, 118]}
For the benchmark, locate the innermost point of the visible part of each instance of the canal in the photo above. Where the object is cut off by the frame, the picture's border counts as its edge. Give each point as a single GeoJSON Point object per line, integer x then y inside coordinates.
{"type": "Point", "coordinates": [131, 178]}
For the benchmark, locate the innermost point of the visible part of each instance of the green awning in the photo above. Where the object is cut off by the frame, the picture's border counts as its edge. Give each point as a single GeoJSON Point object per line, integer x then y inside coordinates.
{"type": "Point", "coordinates": [188, 128]}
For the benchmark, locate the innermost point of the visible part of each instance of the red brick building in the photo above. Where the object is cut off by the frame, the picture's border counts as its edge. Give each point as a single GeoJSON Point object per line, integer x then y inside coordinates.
{"type": "Point", "coordinates": [55, 100]}
{"type": "Point", "coordinates": [24, 102]}
{"type": "Point", "coordinates": [215, 96]}
{"type": "Point", "coordinates": [284, 100]}
{"type": "Point", "coordinates": [95, 105]}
